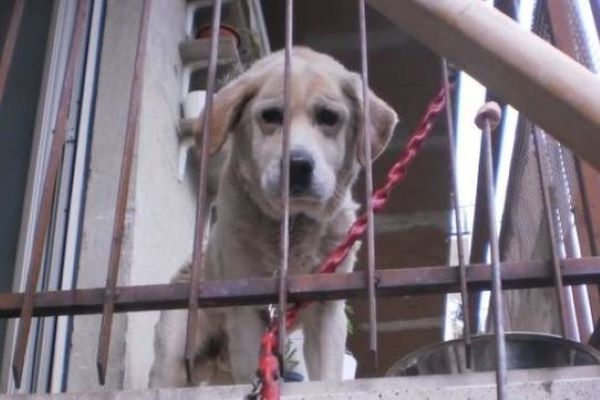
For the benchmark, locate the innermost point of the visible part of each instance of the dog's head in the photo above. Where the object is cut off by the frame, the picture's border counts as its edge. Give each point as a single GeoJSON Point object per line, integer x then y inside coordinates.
{"type": "Point", "coordinates": [326, 148]}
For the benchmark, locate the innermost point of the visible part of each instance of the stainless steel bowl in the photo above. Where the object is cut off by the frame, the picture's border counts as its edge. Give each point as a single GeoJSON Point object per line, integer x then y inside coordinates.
{"type": "Point", "coordinates": [524, 350]}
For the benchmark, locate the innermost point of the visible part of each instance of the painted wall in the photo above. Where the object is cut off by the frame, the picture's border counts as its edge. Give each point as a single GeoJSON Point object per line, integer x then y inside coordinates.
{"type": "Point", "coordinates": [161, 210]}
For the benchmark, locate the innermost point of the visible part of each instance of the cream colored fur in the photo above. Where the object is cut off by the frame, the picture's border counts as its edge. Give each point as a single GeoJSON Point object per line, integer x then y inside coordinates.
{"type": "Point", "coordinates": [244, 241]}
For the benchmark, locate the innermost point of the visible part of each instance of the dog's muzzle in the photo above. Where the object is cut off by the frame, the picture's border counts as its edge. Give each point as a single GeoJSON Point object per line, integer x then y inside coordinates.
{"type": "Point", "coordinates": [301, 172]}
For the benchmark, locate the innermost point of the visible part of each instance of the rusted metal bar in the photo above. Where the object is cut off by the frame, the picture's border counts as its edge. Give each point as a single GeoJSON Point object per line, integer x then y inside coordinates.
{"type": "Point", "coordinates": [488, 119]}
{"type": "Point", "coordinates": [198, 252]}
{"type": "Point", "coordinates": [455, 200]}
{"type": "Point", "coordinates": [12, 33]}
{"type": "Point", "coordinates": [131, 132]}
{"type": "Point", "coordinates": [542, 164]}
{"type": "Point", "coordinates": [479, 240]}
{"type": "Point", "coordinates": [539, 80]}
{"type": "Point", "coordinates": [368, 185]}
{"type": "Point", "coordinates": [392, 282]}
{"type": "Point", "coordinates": [560, 196]}
{"type": "Point", "coordinates": [284, 238]}
{"type": "Point", "coordinates": [45, 207]}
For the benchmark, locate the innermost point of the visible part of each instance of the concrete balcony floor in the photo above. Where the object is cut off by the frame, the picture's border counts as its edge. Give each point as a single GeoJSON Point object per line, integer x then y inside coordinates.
{"type": "Point", "coordinates": [575, 383]}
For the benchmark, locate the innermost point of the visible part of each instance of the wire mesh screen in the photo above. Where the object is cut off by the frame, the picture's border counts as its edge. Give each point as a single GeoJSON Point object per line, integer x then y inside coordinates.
{"type": "Point", "coordinates": [525, 237]}
{"type": "Point", "coordinates": [526, 231]}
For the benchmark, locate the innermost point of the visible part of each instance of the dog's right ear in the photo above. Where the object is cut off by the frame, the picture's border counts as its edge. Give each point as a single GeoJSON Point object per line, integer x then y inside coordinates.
{"type": "Point", "coordinates": [382, 118]}
{"type": "Point", "coordinates": [228, 104]}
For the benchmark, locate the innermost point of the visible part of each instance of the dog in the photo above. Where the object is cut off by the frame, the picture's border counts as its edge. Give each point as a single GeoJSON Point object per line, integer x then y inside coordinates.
{"type": "Point", "coordinates": [326, 155]}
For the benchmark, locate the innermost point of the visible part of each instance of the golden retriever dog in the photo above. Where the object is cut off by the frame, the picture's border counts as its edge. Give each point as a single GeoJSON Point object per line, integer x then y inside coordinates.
{"type": "Point", "coordinates": [326, 156]}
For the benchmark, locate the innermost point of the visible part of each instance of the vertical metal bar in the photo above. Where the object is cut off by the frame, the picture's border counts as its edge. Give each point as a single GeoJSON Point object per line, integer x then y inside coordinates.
{"type": "Point", "coordinates": [455, 200]}
{"type": "Point", "coordinates": [542, 164]}
{"type": "Point", "coordinates": [487, 119]}
{"type": "Point", "coordinates": [198, 254]}
{"type": "Point", "coordinates": [574, 309]}
{"type": "Point", "coordinates": [580, 316]}
{"type": "Point", "coordinates": [261, 26]}
{"type": "Point", "coordinates": [571, 36]}
{"type": "Point", "coordinates": [131, 132]}
{"type": "Point", "coordinates": [563, 197]}
{"type": "Point", "coordinates": [285, 171]}
{"type": "Point", "coordinates": [8, 49]}
{"type": "Point", "coordinates": [368, 185]}
{"type": "Point", "coordinates": [45, 208]}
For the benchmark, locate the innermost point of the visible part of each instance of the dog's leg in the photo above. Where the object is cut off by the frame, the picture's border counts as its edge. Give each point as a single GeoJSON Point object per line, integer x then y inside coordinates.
{"type": "Point", "coordinates": [168, 369]}
{"type": "Point", "coordinates": [245, 328]}
{"type": "Point", "coordinates": [325, 327]}
{"type": "Point", "coordinates": [325, 330]}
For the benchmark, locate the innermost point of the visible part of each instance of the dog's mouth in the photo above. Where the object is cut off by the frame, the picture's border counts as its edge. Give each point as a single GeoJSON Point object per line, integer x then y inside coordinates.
{"type": "Point", "coordinates": [310, 190]}
{"type": "Point", "coordinates": [300, 200]}
{"type": "Point", "coordinates": [306, 204]}
{"type": "Point", "coordinates": [304, 201]}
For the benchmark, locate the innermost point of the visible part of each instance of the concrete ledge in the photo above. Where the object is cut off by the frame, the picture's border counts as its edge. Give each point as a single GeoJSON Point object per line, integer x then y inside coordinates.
{"type": "Point", "coordinates": [577, 383]}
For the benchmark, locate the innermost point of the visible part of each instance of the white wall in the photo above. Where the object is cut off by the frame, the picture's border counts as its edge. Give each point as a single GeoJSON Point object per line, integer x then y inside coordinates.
{"type": "Point", "coordinates": [164, 207]}
{"type": "Point", "coordinates": [161, 210]}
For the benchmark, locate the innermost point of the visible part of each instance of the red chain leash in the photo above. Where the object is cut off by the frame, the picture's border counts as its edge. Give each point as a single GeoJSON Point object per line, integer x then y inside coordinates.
{"type": "Point", "coordinates": [268, 364]}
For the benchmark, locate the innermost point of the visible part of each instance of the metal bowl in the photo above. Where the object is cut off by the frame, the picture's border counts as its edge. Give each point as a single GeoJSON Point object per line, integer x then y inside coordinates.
{"type": "Point", "coordinates": [524, 350]}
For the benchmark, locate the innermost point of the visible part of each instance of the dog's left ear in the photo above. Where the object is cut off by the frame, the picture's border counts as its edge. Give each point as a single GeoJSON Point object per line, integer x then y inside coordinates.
{"type": "Point", "coordinates": [381, 123]}
{"type": "Point", "coordinates": [227, 107]}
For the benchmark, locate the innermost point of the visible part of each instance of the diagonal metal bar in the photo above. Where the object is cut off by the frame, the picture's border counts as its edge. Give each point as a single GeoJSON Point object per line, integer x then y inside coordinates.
{"type": "Point", "coordinates": [542, 164]}
{"type": "Point", "coordinates": [8, 49]}
{"type": "Point", "coordinates": [284, 238]}
{"type": "Point", "coordinates": [131, 132]}
{"type": "Point", "coordinates": [392, 282]}
{"type": "Point", "coordinates": [455, 200]}
{"type": "Point", "coordinates": [198, 253]}
{"type": "Point", "coordinates": [45, 207]}
{"type": "Point", "coordinates": [368, 185]}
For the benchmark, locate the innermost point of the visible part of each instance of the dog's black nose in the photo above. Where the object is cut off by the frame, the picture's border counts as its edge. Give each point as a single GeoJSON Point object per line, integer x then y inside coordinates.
{"type": "Point", "coordinates": [301, 168]}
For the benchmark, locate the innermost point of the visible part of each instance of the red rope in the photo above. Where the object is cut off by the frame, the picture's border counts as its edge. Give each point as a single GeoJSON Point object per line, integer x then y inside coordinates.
{"type": "Point", "coordinates": [268, 365]}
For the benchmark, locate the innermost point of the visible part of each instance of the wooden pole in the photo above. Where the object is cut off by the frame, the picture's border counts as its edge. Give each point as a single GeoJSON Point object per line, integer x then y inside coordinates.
{"type": "Point", "coordinates": [546, 85]}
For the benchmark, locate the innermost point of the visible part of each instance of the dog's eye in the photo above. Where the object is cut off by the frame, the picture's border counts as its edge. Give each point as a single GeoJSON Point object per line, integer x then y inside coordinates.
{"type": "Point", "coordinates": [326, 117]}
{"type": "Point", "coordinates": [272, 116]}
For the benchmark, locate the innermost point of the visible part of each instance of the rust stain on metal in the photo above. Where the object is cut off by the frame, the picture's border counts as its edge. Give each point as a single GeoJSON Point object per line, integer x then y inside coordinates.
{"type": "Point", "coordinates": [392, 282]}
